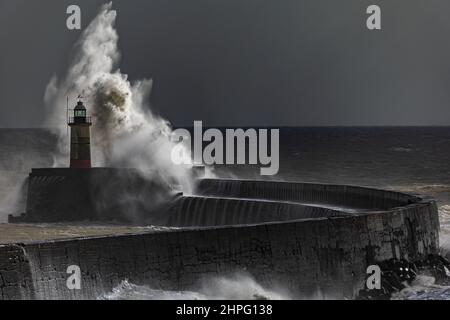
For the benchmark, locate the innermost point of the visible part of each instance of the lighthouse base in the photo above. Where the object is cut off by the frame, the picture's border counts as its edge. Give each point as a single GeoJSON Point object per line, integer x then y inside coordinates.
{"type": "Point", "coordinates": [80, 164]}
{"type": "Point", "coordinates": [98, 194]}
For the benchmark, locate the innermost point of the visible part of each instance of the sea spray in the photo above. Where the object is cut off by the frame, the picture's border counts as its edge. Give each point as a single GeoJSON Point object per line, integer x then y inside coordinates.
{"type": "Point", "coordinates": [13, 187]}
{"type": "Point", "coordinates": [125, 132]}
{"type": "Point", "coordinates": [233, 287]}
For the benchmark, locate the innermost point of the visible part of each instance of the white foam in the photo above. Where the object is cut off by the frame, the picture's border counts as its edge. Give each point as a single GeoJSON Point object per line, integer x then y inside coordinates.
{"type": "Point", "coordinates": [236, 287]}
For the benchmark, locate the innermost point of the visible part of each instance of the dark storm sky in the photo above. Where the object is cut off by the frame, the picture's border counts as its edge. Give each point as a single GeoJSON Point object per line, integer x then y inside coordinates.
{"type": "Point", "coordinates": [247, 62]}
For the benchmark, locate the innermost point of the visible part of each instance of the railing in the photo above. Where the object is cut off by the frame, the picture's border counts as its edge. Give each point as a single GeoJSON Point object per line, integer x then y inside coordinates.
{"type": "Point", "coordinates": [73, 120]}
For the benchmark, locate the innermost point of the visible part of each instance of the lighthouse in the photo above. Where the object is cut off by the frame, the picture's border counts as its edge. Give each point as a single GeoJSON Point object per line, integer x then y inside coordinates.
{"type": "Point", "coordinates": [80, 137]}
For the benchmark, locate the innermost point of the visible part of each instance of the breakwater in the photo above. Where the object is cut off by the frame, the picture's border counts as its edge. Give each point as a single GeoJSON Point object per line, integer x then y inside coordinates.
{"type": "Point", "coordinates": [313, 240]}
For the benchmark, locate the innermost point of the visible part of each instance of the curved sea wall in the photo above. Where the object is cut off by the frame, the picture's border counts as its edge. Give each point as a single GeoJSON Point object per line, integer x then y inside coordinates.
{"type": "Point", "coordinates": [234, 202]}
{"type": "Point", "coordinates": [191, 211]}
{"type": "Point", "coordinates": [313, 193]}
{"type": "Point", "coordinates": [313, 253]}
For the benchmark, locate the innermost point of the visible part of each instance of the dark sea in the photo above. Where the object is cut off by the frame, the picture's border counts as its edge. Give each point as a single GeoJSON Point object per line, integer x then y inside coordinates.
{"type": "Point", "coordinates": [411, 159]}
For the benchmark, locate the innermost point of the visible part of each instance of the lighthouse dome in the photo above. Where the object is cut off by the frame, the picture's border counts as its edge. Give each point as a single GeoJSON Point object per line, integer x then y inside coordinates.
{"type": "Point", "coordinates": [80, 106]}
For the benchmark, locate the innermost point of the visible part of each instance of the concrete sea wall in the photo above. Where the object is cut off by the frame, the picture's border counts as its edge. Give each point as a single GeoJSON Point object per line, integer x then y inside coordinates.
{"type": "Point", "coordinates": [313, 240]}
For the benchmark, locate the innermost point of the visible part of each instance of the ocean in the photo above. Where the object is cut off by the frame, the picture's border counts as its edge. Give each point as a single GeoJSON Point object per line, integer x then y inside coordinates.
{"type": "Point", "coordinates": [410, 159]}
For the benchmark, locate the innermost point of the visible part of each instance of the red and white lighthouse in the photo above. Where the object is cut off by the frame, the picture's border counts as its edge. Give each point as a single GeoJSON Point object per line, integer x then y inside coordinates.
{"type": "Point", "coordinates": [80, 137]}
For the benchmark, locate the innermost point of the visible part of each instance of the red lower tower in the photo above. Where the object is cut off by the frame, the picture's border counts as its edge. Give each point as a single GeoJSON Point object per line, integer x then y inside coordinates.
{"type": "Point", "coordinates": [80, 138]}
